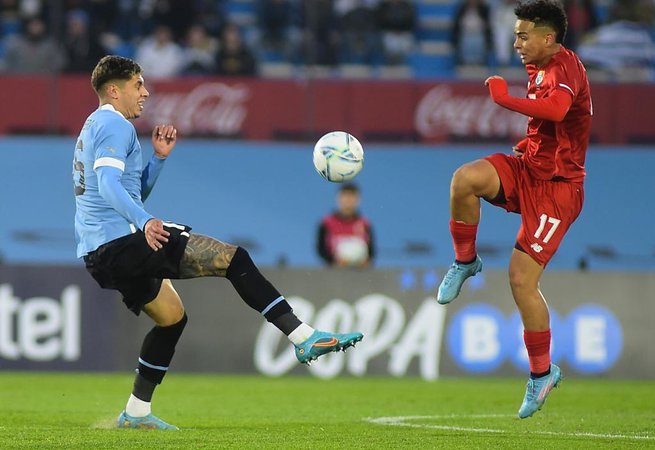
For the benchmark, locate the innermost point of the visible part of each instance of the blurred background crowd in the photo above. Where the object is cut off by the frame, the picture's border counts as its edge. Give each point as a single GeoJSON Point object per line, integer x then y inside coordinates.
{"type": "Point", "coordinates": [285, 38]}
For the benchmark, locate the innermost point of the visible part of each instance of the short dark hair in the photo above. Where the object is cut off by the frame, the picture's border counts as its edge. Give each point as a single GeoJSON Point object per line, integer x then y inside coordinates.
{"type": "Point", "coordinates": [349, 187]}
{"type": "Point", "coordinates": [113, 67]}
{"type": "Point", "coordinates": [544, 13]}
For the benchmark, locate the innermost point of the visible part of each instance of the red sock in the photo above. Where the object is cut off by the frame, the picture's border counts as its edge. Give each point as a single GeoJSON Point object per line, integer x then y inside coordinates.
{"type": "Point", "coordinates": [464, 240]}
{"type": "Point", "coordinates": [538, 345]}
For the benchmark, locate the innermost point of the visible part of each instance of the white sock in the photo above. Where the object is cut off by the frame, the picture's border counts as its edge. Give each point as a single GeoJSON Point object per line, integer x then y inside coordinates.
{"type": "Point", "coordinates": [137, 407]}
{"type": "Point", "coordinates": [300, 334]}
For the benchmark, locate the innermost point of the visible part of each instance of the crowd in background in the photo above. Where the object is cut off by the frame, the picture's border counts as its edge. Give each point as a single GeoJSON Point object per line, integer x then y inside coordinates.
{"type": "Point", "coordinates": [483, 33]}
{"type": "Point", "coordinates": [199, 37]}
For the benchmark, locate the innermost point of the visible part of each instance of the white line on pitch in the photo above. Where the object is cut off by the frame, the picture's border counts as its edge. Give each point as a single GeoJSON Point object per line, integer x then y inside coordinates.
{"type": "Point", "coordinates": [401, 421]}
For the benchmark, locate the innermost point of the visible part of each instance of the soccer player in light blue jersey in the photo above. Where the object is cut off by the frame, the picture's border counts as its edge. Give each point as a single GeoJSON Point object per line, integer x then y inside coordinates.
{"type": "Point", "coordinates": [127, 249]}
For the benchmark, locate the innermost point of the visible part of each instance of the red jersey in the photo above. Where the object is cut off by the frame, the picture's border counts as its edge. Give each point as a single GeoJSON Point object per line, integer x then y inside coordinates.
{"type": "Point", "coordinates": [336, 230]}
{"type": "Point", "coordinates": [556, 150]}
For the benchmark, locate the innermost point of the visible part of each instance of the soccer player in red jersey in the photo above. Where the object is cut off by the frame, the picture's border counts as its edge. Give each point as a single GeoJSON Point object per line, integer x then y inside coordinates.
{"type": "Point", "coordinates": [542, 180]}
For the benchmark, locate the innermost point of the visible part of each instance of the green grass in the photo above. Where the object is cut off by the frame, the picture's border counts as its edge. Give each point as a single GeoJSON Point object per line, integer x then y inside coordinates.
{"type": "Point", "coordinates": [46, 410]}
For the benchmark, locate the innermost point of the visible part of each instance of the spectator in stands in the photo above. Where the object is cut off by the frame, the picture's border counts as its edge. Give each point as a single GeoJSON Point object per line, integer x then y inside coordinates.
{"type": "Point", "coordinates": [234, 57]}
{"type": "Point", "coordinates": [359, 33]}
{"type": "Point", "coordinates": [345, 238]}
{"type": "Point", "coordinates": [199, 52]}
{"type": "Point", "coordinates": [275, 22]}
{"type": "Point", "coordinates": [625, 43]}
{"type": "Point", "coordinates": [34, 51]}
{"type": "Point", "coordinates": [582, 19]}
{"type": "Point", "coordinates": [502, 29]}
{"type": "Point", "coordinates": [397, 20]}
{"type": "Point", "coordinates": [618, 46]}
{"type": "Point", "coordinates": [10, 18]}
{"type": "Point", "coordinates": [129, 21]}
{"type": "Point", "coordinates": [81, 46]}
{"type": "Point", "coordinates": [25, 9]}
{"type": "Point", "coordinates": [638, 11]}
{"type": "Point", "coordinates": [159, 55]}
{"type": "Point", "coordinates": [211, 15]}
{"type": "Point", "coordinates": [319, 36]}
{"type": "Point", "coordinates": [471, 36]}
{"type": "Point", "coordinates": [177, 15]}
{"type": "Point", "coordinates": [103, 13]}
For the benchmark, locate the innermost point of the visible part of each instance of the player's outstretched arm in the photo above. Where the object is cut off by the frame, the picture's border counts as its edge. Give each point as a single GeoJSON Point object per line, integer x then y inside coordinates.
{"type": "Point", "coordinates": [150, 175]}
{"type": "Point", "coordinates": [206, 257]}
{"type": "Point", "coordinates": [164, 138]}
{"type": "Point", "coordinates": [553, 108]}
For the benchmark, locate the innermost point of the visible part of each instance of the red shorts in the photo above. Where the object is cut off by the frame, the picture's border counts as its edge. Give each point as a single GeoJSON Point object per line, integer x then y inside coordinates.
{"type": "Point", "coordinates": [547, 208]}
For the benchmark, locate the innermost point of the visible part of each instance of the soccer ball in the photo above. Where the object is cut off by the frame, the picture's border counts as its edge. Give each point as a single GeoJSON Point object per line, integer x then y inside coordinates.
{"type": "Point", "coordinates": [338, 156]}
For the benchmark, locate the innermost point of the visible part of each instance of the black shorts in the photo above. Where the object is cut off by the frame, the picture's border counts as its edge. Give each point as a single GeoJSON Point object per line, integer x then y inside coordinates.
{"type": "Point", "coordinates": [130, 266]}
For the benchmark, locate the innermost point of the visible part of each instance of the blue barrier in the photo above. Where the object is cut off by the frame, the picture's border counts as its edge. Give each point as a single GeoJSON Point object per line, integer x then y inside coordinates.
{"type": "Point", "coordinates": [267, 197]}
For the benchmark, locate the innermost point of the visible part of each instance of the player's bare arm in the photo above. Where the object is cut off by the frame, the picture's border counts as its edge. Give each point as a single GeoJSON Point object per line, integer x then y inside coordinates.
{"type": "Point", "coordinates": [164, 138]}
{"type": "Point", "coordinates": [206, 257]}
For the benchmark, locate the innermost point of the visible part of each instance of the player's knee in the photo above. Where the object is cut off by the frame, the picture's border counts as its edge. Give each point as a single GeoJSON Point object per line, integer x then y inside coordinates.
{"type": "Point", "coordinates": [179, 314]}
{"type": "Point", "coordinates": [515, 279]}
{"type": "Point", "coordinates": [167, 309]}
{"type": "Point", "coordinates": [176, 326]}
{"type": "Point", "coordinates": [168, 313]}
{"type": "Point", "coordinates": [520, 282]}
{"type": "Point", "coordinates": [463, 180]}
{"type": "Point", "coordinates": [170, 318]}
{"type": "Point", "coordinates": [180, 324]}
{"type": "Point", "coordinates": [475, 178]}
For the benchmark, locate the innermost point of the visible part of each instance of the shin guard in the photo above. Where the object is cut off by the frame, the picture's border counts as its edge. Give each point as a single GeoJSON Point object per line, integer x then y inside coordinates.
{"type": "Point", "coordinates": [158, 349]}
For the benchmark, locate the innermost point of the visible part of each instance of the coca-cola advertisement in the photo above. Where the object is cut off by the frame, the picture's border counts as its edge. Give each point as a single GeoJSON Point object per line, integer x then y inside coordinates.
{"type": "Point", "coordinates": [445, 112]}
{"type": "Point", "coordinates": [303, 109]}
{"type": "Point", "coordinates": [207, 109]}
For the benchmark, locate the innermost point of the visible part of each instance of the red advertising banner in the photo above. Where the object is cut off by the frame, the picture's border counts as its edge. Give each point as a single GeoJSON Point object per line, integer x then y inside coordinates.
{"type": "Point", "coordinates": [303, 109]}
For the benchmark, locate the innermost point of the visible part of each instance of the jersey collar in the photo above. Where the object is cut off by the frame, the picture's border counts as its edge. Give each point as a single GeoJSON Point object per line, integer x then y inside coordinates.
{"type": "Point", "coordinates": [110, 107]}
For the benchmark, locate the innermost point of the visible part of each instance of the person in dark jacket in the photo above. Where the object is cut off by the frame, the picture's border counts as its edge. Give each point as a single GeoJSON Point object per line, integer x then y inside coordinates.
{"type": "Point", "coordinates": [345, 237]}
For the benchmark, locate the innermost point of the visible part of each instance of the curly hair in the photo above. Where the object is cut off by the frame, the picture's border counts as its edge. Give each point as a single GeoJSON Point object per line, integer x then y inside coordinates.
{"type": "Point", "coordinates": [113, 67]}
{"type": "Point", "coordinates": [544, 13]}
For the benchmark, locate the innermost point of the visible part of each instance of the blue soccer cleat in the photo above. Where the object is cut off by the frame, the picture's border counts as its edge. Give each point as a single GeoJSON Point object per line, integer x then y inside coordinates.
{"type": "Point", "coordinates": [537, 391]}
{"type": "Point", "coordinates": [454, 279]}
{"type": "Point", "coordinates": [148, 422]}
{"type": "Point", "coordinates": [322, 342]}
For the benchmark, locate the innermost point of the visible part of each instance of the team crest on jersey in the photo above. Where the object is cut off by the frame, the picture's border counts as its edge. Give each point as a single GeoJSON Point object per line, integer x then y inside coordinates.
{"type": "Point", "coordinates": [540, 77]}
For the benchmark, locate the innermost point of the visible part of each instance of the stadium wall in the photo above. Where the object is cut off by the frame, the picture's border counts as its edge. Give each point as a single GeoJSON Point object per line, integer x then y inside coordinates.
{"type": "Point", "coordinates": [55, 318]}
{"type": "Point", "coordinates": [263, 109]}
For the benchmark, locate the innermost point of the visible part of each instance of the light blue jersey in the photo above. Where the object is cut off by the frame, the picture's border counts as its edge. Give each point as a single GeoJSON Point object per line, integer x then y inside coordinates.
{"type": "Point", "coordinates": [110, 180]}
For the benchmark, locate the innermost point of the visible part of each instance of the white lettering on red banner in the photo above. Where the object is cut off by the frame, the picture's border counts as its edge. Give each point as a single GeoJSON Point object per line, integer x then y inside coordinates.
{"type": "Point", "coordinates": [208, 109]}
{"type": "Point", "coordinates": [442, 113]}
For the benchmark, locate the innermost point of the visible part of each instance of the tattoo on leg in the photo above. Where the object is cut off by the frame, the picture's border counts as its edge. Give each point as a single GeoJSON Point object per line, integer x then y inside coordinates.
{"type": "Point", "coordinates": [206, 257]}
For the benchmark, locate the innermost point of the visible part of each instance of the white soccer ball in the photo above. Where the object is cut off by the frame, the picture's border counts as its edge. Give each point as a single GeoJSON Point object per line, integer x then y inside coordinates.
{"type": "Point", "coordinates": [338, 156]}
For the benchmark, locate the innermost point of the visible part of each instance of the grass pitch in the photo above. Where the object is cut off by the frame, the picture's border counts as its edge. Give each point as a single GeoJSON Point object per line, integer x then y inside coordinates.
{"type": "Point", "coordinates": [63, 410]}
